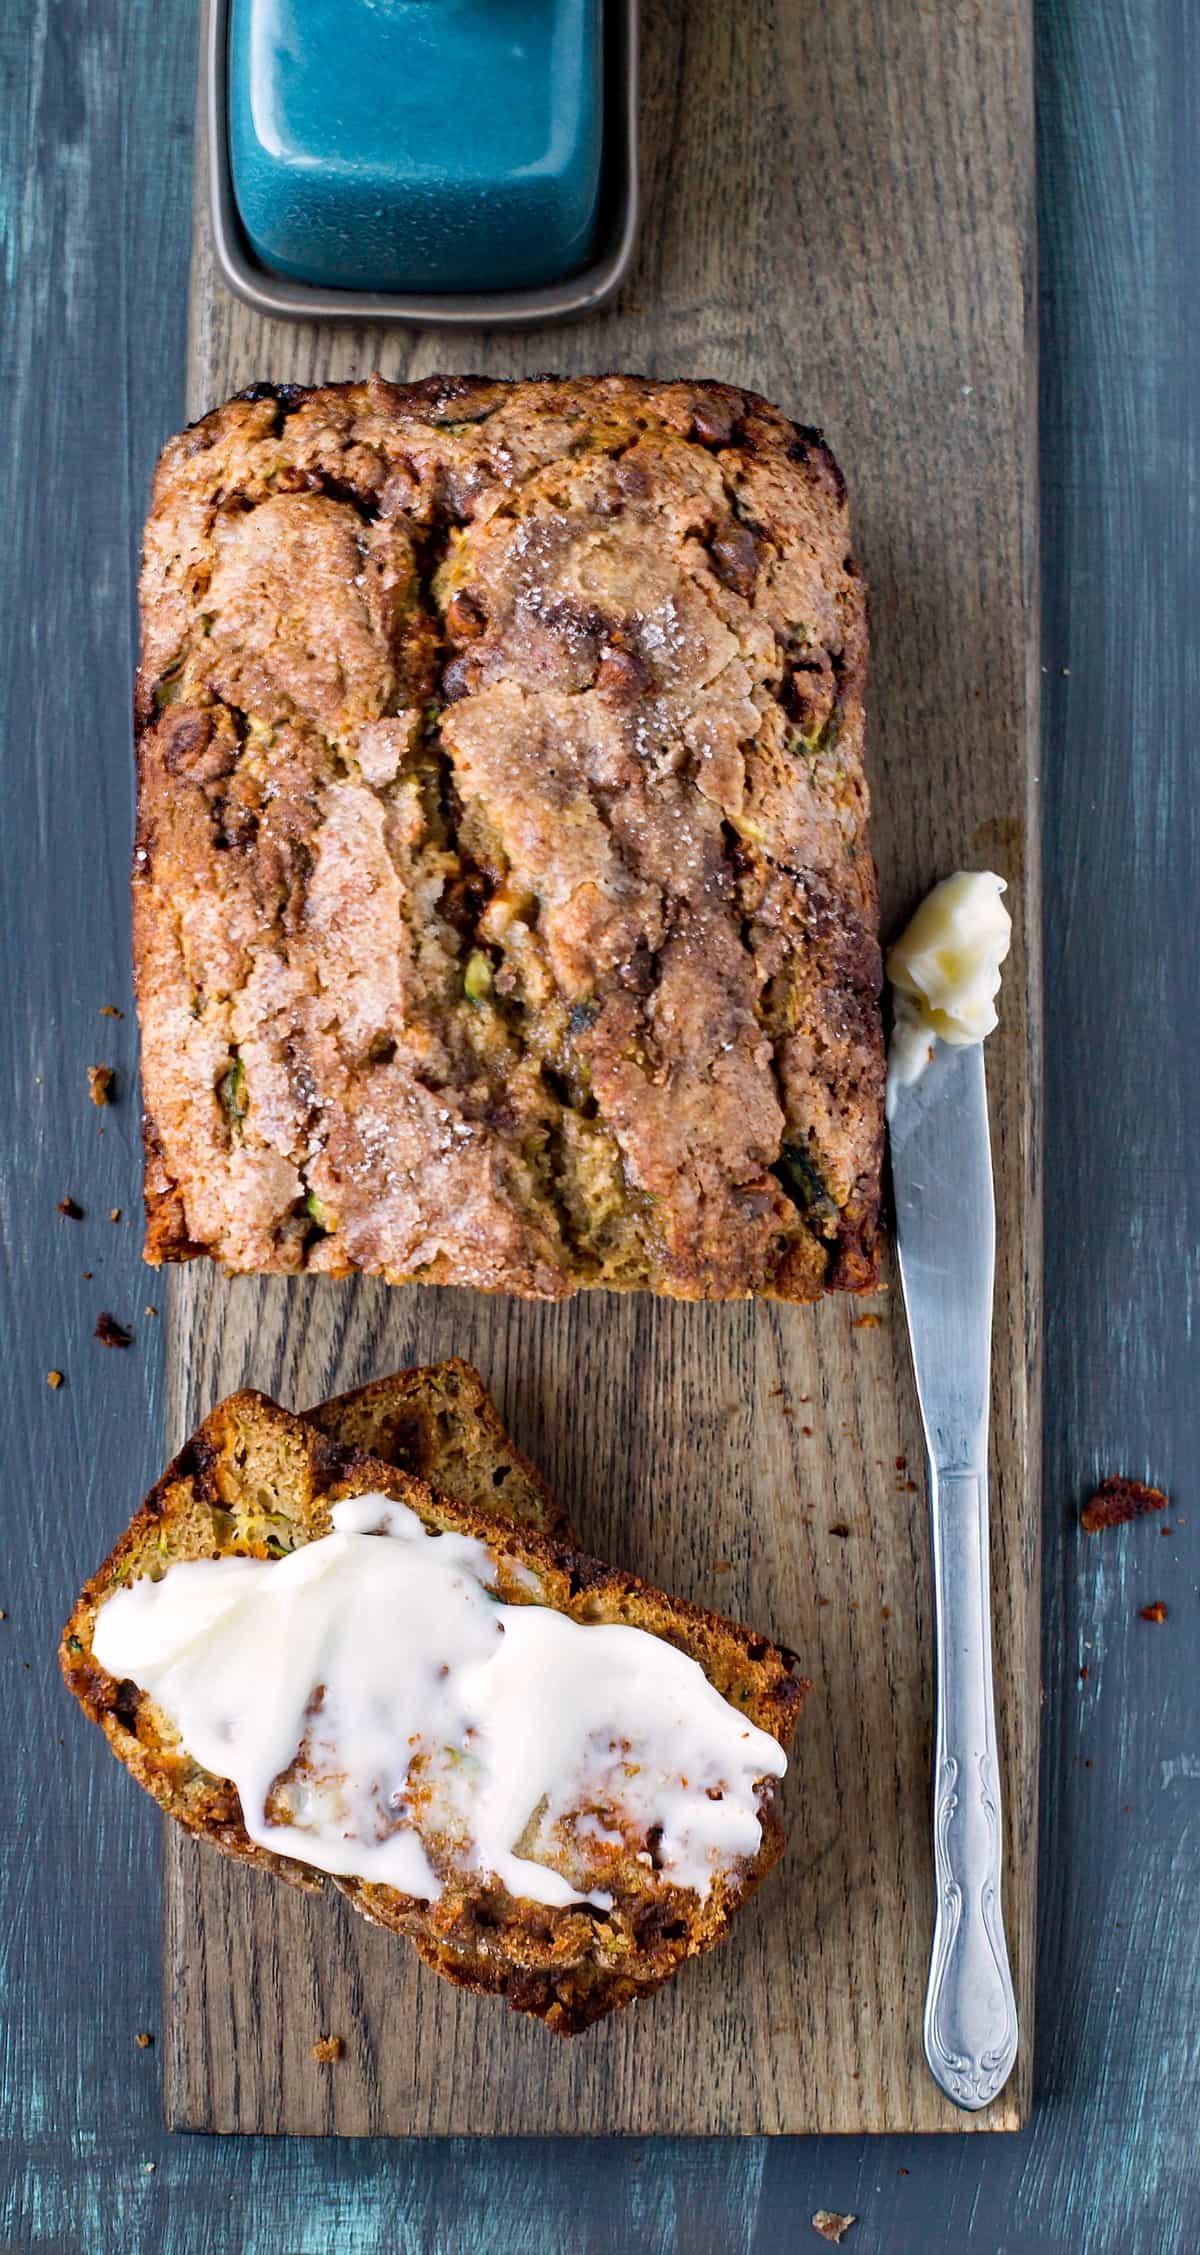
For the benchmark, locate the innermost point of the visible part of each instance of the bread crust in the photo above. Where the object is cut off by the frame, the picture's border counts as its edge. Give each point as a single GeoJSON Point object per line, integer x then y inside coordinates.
{"type": "Point", "coordinates": [439, 1422]}
{"type": "Point", "coordinates": [253, 1478]}
{"type": "Point", "coordinates": [503, 907]}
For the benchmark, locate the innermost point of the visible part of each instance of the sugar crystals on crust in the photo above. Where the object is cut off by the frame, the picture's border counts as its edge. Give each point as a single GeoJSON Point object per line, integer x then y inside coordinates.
{"type": "Point", "coordinates": [504, 913]}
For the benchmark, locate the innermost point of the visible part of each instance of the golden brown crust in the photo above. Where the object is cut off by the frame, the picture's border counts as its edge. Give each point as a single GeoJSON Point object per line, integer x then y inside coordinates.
{"type": "Point", "coordinates": [503, 907]}
{"type": "Point", "coordinates": [254, 1481]}
{"type": "Point", "coordinates": [440, 1424]}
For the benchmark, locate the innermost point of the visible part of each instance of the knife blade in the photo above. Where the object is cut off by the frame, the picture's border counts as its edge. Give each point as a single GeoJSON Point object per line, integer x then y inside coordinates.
{"type": "Point", "coordinates": [945, 1239]}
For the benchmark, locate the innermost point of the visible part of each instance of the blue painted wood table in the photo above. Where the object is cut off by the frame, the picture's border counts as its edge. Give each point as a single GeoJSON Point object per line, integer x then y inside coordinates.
{"type": "Point", "coordinates": [97, 204]}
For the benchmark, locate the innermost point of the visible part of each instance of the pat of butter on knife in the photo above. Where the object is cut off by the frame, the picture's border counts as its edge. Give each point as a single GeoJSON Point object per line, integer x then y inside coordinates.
{"type": "Point", "coordinates": [945, 969]}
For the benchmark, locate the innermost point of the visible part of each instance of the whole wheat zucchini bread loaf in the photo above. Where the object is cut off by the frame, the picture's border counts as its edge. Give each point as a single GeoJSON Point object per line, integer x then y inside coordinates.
{"type": "Point", "coordinates": [611, 1915]}
{"type": "Point", "coordinates": [504, 913]}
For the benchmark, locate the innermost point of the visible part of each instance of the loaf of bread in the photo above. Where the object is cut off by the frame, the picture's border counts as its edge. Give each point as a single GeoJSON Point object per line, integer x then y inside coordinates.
{"type": "Point", "coordinates": [256, 1483]}
{"type": "Point", "coordinates": [503, 908]}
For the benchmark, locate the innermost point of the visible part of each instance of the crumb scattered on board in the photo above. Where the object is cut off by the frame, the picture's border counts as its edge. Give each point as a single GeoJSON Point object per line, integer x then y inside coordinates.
{"type": "Point", "coordinates": [54, 1379]}
{"type": "Point", "coordinates": [70, 1209]}
{"type": "Point", "coordinates": [328, 2049]}
{"type": "Point", "coordinates": [110, 1010]}
{"type": "Point", "coordinates": [101, 1082]}
{"type": "Point", "coordinates": [110, 1333]}
{"type": "Point", "coordinates": [1117, 1501]}
{"type": "Point", "coordinates": [143, 2039]}
{"type": "Point", "coordinates": [832, 2226]}
{"type": "Point", "coordinates": [866, 1323]}
{"type": "Point", "coordinates": [115, 1214]}
{"type": "Point", "coordinates": [1156, 1612]}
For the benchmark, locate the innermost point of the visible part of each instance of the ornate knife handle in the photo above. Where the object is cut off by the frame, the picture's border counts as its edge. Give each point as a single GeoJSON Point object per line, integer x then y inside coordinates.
{"type": "Point", "coordinates": [970, 2009]}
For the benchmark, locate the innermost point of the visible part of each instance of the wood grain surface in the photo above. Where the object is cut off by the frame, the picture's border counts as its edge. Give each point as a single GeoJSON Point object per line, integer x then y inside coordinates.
{"type": "Point", "coordinates": [838, 213]}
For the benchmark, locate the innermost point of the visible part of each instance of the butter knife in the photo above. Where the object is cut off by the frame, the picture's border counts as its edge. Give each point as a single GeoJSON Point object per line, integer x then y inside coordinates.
{"type": "Point", "coordinates": [946, 1237]}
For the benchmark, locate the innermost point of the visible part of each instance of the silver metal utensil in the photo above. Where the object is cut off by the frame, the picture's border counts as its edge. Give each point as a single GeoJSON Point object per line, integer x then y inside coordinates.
{"type": "Point", "coordinates": [945, 1235]}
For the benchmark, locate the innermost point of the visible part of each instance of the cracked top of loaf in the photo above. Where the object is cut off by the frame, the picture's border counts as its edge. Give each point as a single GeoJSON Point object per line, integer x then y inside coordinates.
{"type": "Point", "coordinates": [503, 908]}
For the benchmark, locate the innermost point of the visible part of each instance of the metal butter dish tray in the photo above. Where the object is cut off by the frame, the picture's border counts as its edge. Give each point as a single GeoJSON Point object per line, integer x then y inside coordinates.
{"type": "Point", "coordinates": [276, 294]}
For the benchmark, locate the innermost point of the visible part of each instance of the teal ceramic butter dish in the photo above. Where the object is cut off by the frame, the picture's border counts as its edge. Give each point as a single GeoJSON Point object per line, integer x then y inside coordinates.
{"type": "Point", "coordinates": [417, 144]}
{"type": "Point", "coordinates": [432, 162]}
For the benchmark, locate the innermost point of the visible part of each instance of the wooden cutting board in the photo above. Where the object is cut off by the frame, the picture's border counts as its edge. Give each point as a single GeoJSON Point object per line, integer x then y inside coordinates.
{"type": "Point", "coordinates": [839, 213]}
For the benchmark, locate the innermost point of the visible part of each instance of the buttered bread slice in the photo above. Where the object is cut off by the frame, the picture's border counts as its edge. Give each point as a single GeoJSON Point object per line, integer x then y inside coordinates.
{"type": "Point", "coordinates": [559, 1782]}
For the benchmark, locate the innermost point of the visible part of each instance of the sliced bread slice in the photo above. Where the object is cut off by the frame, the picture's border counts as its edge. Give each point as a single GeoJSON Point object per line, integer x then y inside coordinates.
{"type": "Point", "coordinates": [440, 1423]}
{"type": "Point", "coordinates": [257, 1482]}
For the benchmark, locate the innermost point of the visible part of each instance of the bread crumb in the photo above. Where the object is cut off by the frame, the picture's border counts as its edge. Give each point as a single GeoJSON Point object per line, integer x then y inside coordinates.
{"type": "Point", "coordinates": [866, 1323]}
{"type": "Point", "coordinates": [115, 1214]}
{"type": "Point", "coordinates": [832, 2226]}
{"type": "Point", "coordinates": [839, 1527]}
{"type": "Point", "coordinates": [150, 1310]}
{"type": "Point", "coordinates": [110, 1010]}
{"type": "Point", "coordinates": [69, 1210]}
{"type": "Point", "coordinates": [1116, 1501]}
{"type": "Point", "coordinates": [143, 2039]}
{"type": "Point", "coordinates": [148, 2168]}
{"type": "Point", "coordinates": [54, 1379]}
{"type": "Point", "coordinates": [723, 1566]}
{"type": "Point", "coordinates": [87, 1275]}
{"type": "Point", "coordinates": [328, 2049]}
{"type": "Point", "coordinates": [101, 1081]}
{"type": "Point", "coordinates": [1084, 1673]}
{"type": "Point", "coordinates": [1155, 1612]}
{"type": "Point", "coordinates": [110, 1333]}
{"type": "Point", "coordinates": [901, 1464]}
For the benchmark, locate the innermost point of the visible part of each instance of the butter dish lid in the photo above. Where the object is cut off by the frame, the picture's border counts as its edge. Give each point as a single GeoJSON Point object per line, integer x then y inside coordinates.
{"type": "Point", "coordinates": [417, 144]}
{"type": "Point", "coordinates": [431, 160]}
